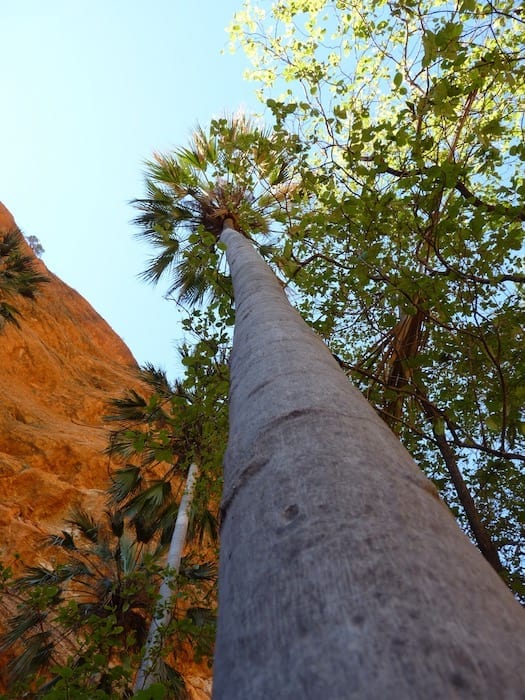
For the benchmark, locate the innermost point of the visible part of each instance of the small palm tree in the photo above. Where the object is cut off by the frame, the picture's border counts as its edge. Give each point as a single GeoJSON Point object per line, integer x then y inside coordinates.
{"type": "Point", "coordinates": [63, 606]}
{"type": "Point", "coordinates": [157, 436]}
{"type": "Point", "coordinates": [19, 275]}
{"type": "Point", "coordinates": [84, 619]}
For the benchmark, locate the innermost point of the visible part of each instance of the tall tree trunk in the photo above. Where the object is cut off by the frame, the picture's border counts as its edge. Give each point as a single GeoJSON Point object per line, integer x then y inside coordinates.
{"type": "Point", "coordinates": [342, 575]}
{"type": "Point", "coordinates": [146, 674]}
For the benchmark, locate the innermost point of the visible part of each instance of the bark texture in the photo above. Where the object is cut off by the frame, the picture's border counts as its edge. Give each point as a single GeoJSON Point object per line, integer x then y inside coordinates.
{"type": "Point", "coordinates": [342, 575]}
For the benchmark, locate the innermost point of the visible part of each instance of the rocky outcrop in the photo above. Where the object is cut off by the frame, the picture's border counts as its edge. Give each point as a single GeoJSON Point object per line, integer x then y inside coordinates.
{"type": "Point", "coordinates": [59, 369]}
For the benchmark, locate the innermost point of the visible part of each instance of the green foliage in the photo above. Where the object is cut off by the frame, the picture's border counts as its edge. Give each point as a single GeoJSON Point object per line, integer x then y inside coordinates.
{"type": "Point", "coordinates": [19, 275]}
{"type": "Point", "coordinates": [159, 437]}
{"type": "Point", "coordinates": [35, 245]}
{"type": "Point", "coordinates": [82, 620]}
{"type": "Point", "coordinates": [81, 623]}
{"type": "Point", "coordinates": [409, 257]}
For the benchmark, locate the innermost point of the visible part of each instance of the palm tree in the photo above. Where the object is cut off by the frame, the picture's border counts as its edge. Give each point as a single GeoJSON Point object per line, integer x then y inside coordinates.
{"type": "Point", "coordinates": [89, 602]}
{"type": "Point", "coordinates": [84, 619]}
{"type": "Point", "coordinates": [341, 572]}
{"type": "Point", "coordinates": [156, 429]}
{"type": "Point", "coordinates": [236, 169]}
{"type": "Point", "coordinates": [19, 275]}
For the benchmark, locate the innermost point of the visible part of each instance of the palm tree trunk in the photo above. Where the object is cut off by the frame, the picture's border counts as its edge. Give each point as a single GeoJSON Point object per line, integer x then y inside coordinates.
{"type": "Point", "coordinates": [342, 575]}
{"type": "Point", "coordinates": [162, 615]}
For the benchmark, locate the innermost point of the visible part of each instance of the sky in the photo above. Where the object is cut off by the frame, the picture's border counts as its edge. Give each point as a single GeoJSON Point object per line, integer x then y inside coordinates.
{"type": "Point", "coordinates": [90, 89]}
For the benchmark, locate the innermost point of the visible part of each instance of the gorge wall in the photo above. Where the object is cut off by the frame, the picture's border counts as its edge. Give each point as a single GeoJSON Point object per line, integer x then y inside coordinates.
{"type": "Point", "coordinates": [58, 371]}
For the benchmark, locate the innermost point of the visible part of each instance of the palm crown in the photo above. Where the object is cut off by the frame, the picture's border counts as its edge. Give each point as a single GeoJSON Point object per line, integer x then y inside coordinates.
{"type": "Point", "coordinates": [19, 275]}
{"type": "Point", "coordinates": [234, 170]}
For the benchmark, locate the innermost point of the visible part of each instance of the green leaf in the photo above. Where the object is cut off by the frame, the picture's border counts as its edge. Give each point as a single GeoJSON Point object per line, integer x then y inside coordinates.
{"type": "Point", "coordinates": [493, 422]}
{"type": "Point", "coordinates": [439, 426]}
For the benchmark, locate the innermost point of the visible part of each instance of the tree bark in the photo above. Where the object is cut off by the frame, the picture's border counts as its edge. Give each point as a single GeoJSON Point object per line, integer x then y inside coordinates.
{"type": "Point", "coordinates": [342, 575]}
{"type": "Point", "coordinates": [146, 674]}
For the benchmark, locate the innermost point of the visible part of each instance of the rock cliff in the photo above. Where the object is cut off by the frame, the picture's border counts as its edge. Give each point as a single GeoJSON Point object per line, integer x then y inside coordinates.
{"type": "Point", "coordinates": [59, 369]}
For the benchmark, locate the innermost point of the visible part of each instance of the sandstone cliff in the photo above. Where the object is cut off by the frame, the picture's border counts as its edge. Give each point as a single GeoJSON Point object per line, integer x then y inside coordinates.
{"type": "Point", "coordinates": [59, 370]}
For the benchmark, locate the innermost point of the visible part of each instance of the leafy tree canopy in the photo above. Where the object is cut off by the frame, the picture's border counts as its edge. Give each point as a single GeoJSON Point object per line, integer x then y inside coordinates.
{"type": "Point", "coordinates": [409, 255]}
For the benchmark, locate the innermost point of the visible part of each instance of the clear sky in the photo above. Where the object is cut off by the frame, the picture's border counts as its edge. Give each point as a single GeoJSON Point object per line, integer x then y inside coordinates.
{"type": "Point", "coordinates": [89, 90]}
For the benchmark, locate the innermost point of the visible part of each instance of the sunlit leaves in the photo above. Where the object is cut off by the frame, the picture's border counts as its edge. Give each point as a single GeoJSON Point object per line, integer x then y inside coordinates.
{"type": "Point", "coordinates": [412, 115]}
{"type": "Point", "coordinates": [236, 169]}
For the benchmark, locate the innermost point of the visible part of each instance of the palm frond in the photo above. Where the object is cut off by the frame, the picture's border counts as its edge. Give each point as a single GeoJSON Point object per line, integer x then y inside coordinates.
{"type": "Point", "coordinates": [64, 540]}
{"type": "Point", "coordinates": [157, 379]}
{"type": "Point", "coordinates": [74, 569]}
{"type": "Point", "coordinates": [132, 407]}
{"type": "Point", "coordinates": [148, 502]}
{"type": "Point", "coordinates": [206, 571]}
{"type": "Point", "coordinates": [125, 482]}
{"type": "Point", "coordinates": [37, 654]}
{"type": "Point", "coordinates": [127, 555]}
{"type": "Point", "coordinates": [20, 625]}
{"type": "Point", "coordinates": [161, 265]}
{"type": "Point", "coordinates": [85, 524]}
{"type": "Point", "coordinates": [41, 576]}
{"type": "Point", "coordinates": [116, 522]}
{"type": "Point", "coordinates": [8, 314]}
{"type": "Point", "coordinates": [203, 523]}
{"type": "Point", "coordinates": [18, 272]}
{"type": "Point", "coordinates": [166, 522]}
{"type": "Point", "coordinates": [191, 282]}
{"type": "Point", "coordinates": [145, 529]}
{"type": "Point", "coordinates": [35, 576]}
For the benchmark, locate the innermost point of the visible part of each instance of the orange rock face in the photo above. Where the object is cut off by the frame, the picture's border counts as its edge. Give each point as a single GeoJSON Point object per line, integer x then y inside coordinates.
{"type": "Point", "coordinates": [59, 371]}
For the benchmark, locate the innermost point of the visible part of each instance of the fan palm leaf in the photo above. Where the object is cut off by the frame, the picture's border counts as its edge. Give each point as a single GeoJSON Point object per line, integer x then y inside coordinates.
{"type": "Point", "coordinates": [148, 502]}
{"type": "Point", "coordinates": [38, 651]}
{"type": "Point", "coordinates": [19, 275]}
{"type": "Point", "coordinates": [19, 625]}
{"type": "Point", "coordinates": [125, 482]}
{"type": "Point", "coordinates": [235, 169]}
{"type": "Point", "coordinates": [157, 379]}
{"type": "Point", "coordinates": [85, 524]}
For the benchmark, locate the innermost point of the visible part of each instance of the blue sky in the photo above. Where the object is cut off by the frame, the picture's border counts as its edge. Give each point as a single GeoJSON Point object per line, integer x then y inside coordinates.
{"type": "Point", "coordinates": [89, 91]}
